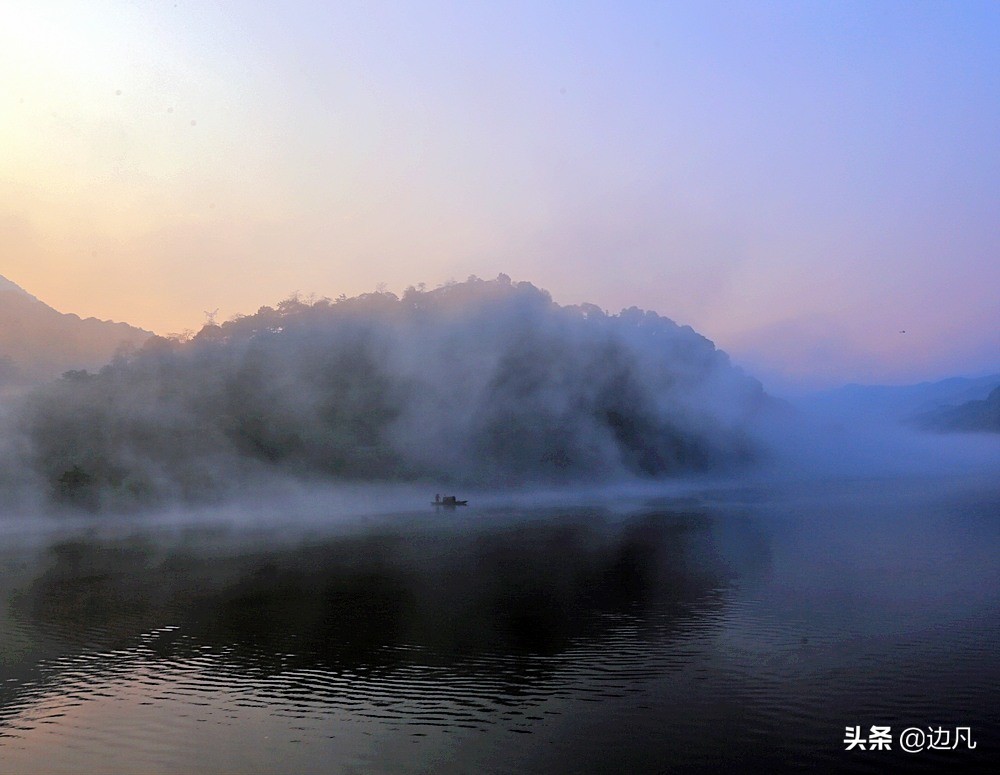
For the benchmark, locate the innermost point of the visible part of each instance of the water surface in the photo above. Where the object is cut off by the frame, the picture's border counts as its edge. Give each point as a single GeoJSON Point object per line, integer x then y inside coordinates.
{"type": "Point", "coordinates": [737, 628]}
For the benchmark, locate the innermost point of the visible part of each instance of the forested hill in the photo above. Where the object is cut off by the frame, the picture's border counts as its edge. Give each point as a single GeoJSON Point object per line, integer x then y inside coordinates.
{"type": "Point", "coordinates": [485, 382]}
{"type": "Point", "coordinates": [38, 343]}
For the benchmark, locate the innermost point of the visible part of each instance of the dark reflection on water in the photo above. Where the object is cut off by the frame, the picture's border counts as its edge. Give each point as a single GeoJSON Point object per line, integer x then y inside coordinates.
{"type": "Point", "coordinates": [531, 588]}
{"type": "Point", "coordinates": [748, 632]}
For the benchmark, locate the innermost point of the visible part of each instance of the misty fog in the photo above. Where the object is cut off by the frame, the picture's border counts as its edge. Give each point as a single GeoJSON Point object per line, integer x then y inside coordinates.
{"type": "Point", "coordinates": [483, 383]}
{"type": "Point", "coordinates": [486, 386]}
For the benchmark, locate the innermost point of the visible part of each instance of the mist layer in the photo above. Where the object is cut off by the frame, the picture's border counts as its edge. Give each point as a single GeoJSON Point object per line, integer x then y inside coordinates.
{"type": "Point", "coordinates": [485, 383]}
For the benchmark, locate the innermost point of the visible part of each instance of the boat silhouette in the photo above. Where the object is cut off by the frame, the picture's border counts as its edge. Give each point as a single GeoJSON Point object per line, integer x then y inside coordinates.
{"type": "Point", "coordinates": [448, 500]}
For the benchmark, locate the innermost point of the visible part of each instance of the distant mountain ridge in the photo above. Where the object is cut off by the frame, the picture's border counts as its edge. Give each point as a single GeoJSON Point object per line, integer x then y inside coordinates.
{"type": "Point", "coordinates": [9, 287]}
{"type": "Point", "coordinates": [901, 402]}
{"type": "Point", "coordinates": [38, 343]}
{"type": "Point", "coordinates": [971, 416]}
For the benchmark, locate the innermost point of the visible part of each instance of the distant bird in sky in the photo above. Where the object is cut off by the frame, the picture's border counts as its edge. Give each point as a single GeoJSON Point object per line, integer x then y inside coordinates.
{"type": "Point", "coordinates": [902, 332]}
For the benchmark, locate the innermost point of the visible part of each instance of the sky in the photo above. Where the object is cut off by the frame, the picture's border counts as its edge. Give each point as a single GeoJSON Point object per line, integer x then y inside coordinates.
{"type": "Point", "coordinates": [800, 182]}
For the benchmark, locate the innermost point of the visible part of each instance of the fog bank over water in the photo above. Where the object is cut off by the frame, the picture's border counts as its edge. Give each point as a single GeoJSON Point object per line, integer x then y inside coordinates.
{"type": "Point", "coordinates": [479, 384]}
{"type": "Point", "coordinates": [489, 388]}
{"type": "Point", "coordinates": [877, 431]}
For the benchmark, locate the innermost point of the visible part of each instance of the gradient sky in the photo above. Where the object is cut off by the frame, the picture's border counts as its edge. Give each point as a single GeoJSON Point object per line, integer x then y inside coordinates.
{"type": "Point", "coordinates": [797, 181]}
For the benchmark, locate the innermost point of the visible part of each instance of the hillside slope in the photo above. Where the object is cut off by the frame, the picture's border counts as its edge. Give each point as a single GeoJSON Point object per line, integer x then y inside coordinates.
{"type": "Point", "coordinates": [970, 416]}
{"type": "Point", "coordinates": [38, 343]}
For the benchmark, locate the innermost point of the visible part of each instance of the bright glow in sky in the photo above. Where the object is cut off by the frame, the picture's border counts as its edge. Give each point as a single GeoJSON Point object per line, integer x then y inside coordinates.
{"type": "Point", "coordinates": [798, 181]}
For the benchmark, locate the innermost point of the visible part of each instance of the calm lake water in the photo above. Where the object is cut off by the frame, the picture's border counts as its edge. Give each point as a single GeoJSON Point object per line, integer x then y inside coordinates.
{"type": "Point", "coordinates": [736, 629]}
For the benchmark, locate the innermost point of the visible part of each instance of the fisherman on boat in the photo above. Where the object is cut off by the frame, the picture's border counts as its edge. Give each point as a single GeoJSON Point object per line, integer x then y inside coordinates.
{"type": "Point", "coordinates": [448, 500]}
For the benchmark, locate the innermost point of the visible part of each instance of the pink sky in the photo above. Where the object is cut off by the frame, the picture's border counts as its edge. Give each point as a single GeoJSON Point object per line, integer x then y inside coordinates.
{"type": "Point", "coordinates": [799, 182]}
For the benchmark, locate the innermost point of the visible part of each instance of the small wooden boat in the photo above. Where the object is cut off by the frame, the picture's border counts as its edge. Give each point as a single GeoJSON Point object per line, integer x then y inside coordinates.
{"type": "Point", "coordinates": [448, 500]}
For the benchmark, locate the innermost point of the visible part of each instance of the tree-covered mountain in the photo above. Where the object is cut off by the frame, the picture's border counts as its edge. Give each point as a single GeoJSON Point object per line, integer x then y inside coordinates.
{"type": "Point", "coordinates": [482, 382]}
{"type": "Point", "coordinates": [38, 343]}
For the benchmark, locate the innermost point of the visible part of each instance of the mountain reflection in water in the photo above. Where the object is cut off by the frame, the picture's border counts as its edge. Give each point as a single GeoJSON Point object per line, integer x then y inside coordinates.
{"type": "Point", "coordinates": [563, 641]}
{"type": "Point", "coordinates": [534, 588]}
